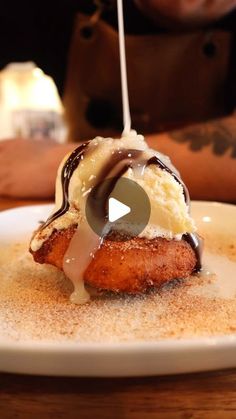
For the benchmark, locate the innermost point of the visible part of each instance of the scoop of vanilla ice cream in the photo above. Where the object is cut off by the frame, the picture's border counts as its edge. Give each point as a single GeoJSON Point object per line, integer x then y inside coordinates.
{"type": "Point", "coordinates": [169, 217]}
{"type": "Point", "coordinates": [169, 212]}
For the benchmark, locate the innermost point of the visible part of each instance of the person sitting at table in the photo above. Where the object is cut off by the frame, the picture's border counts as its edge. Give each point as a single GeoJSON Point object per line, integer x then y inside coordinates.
{"type": "Point", "coordinates": [181, 77]}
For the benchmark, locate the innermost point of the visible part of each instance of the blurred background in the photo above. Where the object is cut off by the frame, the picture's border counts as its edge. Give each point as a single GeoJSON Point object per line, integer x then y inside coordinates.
{"type": "Point", "coordinates": [60, 84]}
{"type": "Point", "coordinates": [181, 66]}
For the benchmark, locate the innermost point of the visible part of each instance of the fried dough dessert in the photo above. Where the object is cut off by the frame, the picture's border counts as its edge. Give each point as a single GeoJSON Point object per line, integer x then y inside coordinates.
{"type": "Point", "coordinates": [121, 268]}
{"type": "Point", "coordinates": [166, 249]}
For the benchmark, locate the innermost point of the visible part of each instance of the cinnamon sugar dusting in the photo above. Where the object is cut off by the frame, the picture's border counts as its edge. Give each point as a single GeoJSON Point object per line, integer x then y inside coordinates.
{"type": "Point", "coordinates": [34, 304]}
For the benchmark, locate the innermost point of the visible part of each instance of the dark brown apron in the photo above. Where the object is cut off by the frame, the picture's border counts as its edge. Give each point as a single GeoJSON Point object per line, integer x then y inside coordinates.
{"type": "Point", "coordinates": [173, 79]}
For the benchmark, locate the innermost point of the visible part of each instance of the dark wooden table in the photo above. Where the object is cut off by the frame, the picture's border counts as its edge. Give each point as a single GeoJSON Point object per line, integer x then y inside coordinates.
{"type": "Point", "coordinates": [206, 395]}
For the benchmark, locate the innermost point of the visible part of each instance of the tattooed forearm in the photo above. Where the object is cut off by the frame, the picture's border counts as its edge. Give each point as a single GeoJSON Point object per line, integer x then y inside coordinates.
{"type": "Point", "coordinates": [221, 134]}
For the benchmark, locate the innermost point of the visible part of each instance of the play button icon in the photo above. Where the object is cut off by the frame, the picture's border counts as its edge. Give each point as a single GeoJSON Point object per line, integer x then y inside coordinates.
{"type": "Point", "coordinates": [116, 210]}
{"type": "Point", "coordinates": [120, 206]}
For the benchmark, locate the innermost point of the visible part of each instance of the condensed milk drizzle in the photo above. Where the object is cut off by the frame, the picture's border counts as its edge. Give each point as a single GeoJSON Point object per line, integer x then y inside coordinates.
{"type": "Point", "coordinates": [85, 242]}
{"type": "Point", "coordinates": [123, 70]}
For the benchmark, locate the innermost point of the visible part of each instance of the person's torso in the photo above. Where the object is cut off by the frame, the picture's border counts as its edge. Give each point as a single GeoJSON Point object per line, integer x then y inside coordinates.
{"type": "Point", "coordinates": [173, 78]}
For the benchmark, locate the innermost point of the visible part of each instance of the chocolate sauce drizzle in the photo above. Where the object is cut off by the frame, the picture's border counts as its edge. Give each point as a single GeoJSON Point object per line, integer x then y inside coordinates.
{"type": "Point", "coordinates": [128, 158]}
{"type": "Point", "coordinates": [197, 245]}
{"type": "Point", "coordinates": [114, 169]}
{"type": "Point", "coordinates": [68, 169]}
{"type": "Point", "coordinates": [193, 239]}
{"type": "Point", "coordinates": [116, 166]}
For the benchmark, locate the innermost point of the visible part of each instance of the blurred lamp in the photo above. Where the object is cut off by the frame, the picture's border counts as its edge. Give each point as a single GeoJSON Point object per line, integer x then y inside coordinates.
{"type": "Point", "coordinates": [30, 105]}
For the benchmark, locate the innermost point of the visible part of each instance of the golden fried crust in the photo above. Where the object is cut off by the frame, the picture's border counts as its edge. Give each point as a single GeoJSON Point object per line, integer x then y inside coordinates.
{"type": "Point", "coordinates": [53, 249]}
{"type": "Point", "coordinates": [125, 266]}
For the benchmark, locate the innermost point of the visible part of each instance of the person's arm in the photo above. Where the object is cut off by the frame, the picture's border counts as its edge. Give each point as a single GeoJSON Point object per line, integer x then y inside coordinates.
{"type": "Point", "coordinates": [205, 155]}
{"type": "Point", "coordinates": [28, 168]}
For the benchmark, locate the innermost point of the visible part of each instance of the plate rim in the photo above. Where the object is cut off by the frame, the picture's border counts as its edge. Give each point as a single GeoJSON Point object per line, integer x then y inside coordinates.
{"type": "Point", "coordinates": [195, 343]}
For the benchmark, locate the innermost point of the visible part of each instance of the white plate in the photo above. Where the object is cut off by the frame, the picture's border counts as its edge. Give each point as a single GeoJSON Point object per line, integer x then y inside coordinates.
{"type": "Point", "coordinates": [123, 359]}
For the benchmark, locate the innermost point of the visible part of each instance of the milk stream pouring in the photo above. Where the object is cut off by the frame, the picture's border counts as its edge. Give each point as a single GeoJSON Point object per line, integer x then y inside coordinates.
{"type": "Point", "coordinates": [30, 106]}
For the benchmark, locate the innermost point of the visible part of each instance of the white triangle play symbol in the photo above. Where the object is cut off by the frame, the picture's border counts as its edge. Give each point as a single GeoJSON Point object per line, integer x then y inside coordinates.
{"type": "Point", "coordinates": [116, 209]}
